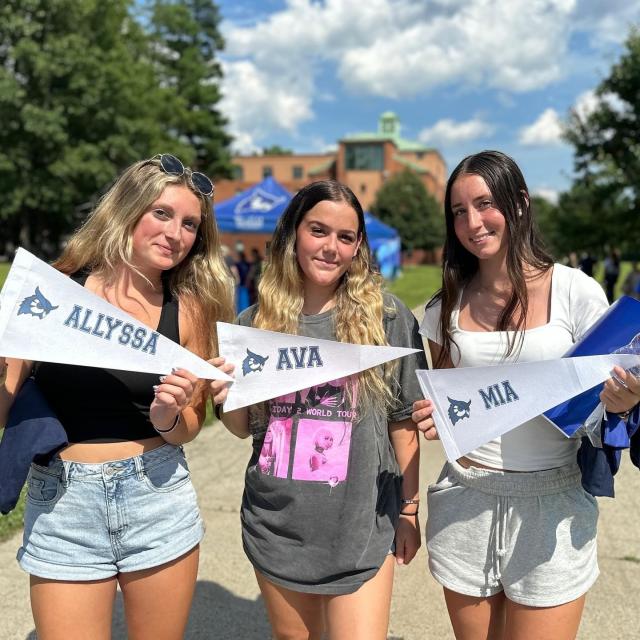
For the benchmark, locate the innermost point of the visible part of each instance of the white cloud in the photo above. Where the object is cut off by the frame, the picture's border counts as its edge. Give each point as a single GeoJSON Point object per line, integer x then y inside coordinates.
{"type": "Point", "coordinates": [400, 48]}
{"type": "Point", "coordinates": [257, 103]}
{"type": "Point", "coordinates": [606, 22]}
{"type": "Point", "coordinates": [546, 130]}
{"type": "Point", "coordinates": [552, 195]}
{"type": "Point", "coordinates": [447, 131]}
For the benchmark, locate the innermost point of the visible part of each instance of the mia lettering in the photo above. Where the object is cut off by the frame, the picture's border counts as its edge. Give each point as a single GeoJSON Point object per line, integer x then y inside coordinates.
{"type": "Point", "coordinates": [498, 394]}
{"type": "Point", "coordinates": [104, 326]}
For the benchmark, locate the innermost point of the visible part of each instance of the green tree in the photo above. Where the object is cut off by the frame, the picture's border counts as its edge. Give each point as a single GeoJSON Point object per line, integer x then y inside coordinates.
{"type": "Point", "coordinates": [404, 203]}
{"type": "Point", "coordinates": [276, 150]}
{"type": "Point", "coordinates": [607, 152]}
{"type": "Point", "coordinates": [187, 40]}
{"type": "Point", "coordinates": [78, 100]}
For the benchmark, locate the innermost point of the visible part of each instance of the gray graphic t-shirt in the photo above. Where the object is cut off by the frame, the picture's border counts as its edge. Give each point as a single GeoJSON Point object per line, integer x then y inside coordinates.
{"type": "Point", "coordinates": [322, 489]}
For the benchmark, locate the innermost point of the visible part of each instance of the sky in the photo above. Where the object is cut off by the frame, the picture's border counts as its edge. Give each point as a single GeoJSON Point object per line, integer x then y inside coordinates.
{"type": "Point", "coordinates": [462, 75]}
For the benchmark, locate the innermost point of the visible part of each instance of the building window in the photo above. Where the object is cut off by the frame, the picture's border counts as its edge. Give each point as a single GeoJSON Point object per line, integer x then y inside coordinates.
{"type": "Point", "coordinates": [267, 171]}
{"type": "Point", "coordinates": [364, 157]}
{"type": "Point", "coordinates": [298, 172]}
{"type": "Point", "coordinates": [237, 172]}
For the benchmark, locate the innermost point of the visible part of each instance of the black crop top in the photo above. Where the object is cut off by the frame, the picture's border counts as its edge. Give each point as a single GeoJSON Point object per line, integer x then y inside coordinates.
{"type": "Point", "coordinates": [94, 403]}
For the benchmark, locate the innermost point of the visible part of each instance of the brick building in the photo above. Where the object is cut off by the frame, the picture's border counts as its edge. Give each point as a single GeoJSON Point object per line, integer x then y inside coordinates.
{"type": "Point", "coordinates": [362, 161]}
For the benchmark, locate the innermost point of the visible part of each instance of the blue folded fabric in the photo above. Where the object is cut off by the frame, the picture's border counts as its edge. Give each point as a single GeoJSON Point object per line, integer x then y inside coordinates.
{"type": "Point", "coordinates": [33, 434]}
{"type": "Point", "coordinates": [615, 329]}
{"type": "Point", "coordinates": [600, 464]}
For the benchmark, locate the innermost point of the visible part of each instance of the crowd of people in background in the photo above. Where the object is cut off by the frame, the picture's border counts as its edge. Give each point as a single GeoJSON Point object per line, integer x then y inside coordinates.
{"type": "Point", "coordinates": [611, 266]}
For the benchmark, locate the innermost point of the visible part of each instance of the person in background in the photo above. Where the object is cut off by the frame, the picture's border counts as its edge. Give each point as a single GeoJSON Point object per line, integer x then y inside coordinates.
{"type": "Point", "coordinates": [511, 533]}
{"type": "Point", "coordinates": [242, 266]}
{"type": "Point", "coordinates": [587, 263]}
{"type": "Point", "coordinates": [253, 277]}
{"type": "Point", "coordinates": [611, 274]}
{"type": "Point", "coordinates": [631, 284]}
{"type": "Point", "coordinates": [321, 527]}
{"type": "Point", "coordinates": [116, 507]}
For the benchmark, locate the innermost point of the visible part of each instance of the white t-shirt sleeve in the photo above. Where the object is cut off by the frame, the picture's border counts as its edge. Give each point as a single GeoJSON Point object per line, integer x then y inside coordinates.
{"type": "Point", "coordinates": [429, 327]}
{"type": "Point", "coordinates": [587, 303]}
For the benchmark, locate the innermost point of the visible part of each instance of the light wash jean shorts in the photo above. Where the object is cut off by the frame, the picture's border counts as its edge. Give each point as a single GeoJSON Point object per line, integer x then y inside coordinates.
{"type": "Point", "coordinates": [531, 535]}
{"type": "Point", "coordinates": [92, 521]}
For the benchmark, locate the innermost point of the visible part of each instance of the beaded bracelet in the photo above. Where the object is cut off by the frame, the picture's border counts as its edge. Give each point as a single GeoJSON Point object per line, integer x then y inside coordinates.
{"type": "Point", "coordinates": [171, 428]}
{"type": "Point", "coordinates": [623, 415]}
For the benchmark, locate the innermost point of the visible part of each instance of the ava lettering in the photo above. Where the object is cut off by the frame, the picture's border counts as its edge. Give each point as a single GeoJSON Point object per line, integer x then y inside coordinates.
{"type": "Point", "coordinates": [108, 328]}
{"type": "Point", "coordinates": [498, 394]}
{"type": "Point", "coordinates": [299, 358]}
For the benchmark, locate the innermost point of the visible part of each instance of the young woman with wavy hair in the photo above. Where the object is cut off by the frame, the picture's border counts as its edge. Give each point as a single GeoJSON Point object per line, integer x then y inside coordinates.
{"type": "Point", "coordinates": [332, 486]}
{"type": "Point", "coordinates": [511, 534]}
{"type": "Point", "coordinates": [116, 507]}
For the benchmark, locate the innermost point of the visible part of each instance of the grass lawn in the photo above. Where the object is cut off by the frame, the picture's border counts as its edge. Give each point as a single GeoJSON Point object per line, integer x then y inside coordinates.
{"type": "Point", "coordinates": [416, 284]}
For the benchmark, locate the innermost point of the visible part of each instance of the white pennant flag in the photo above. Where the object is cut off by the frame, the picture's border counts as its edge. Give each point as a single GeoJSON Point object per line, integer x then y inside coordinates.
{"type": "Point", "coordinates": [269, 364]}
{"type": "Point", "coordinates": [474, 405]}
{"type": "Point", "coordinates": [46, 316]}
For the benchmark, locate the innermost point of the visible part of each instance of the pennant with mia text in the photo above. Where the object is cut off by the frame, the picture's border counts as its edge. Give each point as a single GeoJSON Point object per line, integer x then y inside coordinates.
{"type": "Point", "coordinates": [46, 316]}
{"type": "Point", "coordinates": [474, 405]}
{"type": "Point", "coordinates": [269, 364]}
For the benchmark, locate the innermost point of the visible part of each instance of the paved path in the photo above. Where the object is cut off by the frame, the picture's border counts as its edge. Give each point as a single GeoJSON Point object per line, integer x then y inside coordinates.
{"type": "Point", "coordinates": [227, 604]}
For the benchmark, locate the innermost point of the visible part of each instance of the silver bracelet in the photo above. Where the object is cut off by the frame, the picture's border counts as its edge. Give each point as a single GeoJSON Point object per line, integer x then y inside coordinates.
{"type": "Point", "coordinates": [171, 428]}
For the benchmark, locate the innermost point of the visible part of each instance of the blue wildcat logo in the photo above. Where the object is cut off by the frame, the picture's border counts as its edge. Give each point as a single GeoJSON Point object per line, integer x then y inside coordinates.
{"type": "Point", "coordinates": [253, 363]}
{"type": "Point", "coordinates": [36, 305]}
{"type": "Point", "coordinates": [458, 410]}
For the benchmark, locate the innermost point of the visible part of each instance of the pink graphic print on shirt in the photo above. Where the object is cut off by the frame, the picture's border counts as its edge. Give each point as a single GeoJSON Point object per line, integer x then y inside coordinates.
{"type": "Point", "coordinates": [309, 434]}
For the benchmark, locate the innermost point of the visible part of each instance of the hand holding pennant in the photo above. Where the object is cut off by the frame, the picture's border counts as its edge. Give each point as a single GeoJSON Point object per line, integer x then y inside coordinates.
{"type": "Point", "coordinates": [46, 316]}
{"type": "Point", "coordinates": [474, 405]}
{"type": "Point", "coordinates": [269, 364]}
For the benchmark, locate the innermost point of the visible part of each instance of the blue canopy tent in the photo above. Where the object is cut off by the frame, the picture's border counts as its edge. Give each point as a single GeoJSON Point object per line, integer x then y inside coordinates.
{"type": "Point", "coordinates": [257, 209]}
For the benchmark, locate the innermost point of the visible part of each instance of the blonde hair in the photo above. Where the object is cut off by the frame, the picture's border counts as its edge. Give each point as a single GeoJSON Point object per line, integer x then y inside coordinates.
{"type": "Point", "coordinates": [104, 243]}
{"type": "Point", "coordinates": [359, 306]}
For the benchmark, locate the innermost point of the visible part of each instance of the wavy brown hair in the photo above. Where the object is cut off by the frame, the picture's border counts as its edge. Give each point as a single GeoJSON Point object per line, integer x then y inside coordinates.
{"type": "Point", "coordinates": [104, 244]}
{"type": "Point", "coordinates": [525, 248]}
{"type": "Point", "coordinates": [359, 306]}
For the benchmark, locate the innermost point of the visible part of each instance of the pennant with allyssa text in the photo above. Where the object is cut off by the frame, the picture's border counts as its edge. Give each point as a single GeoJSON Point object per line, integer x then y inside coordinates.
{"type": "Point", "coordinates": [46, 316]}
{"type": "Point", "coordinates": [473, 405]}
{"type": "Point", "coordinates": [269, 364]}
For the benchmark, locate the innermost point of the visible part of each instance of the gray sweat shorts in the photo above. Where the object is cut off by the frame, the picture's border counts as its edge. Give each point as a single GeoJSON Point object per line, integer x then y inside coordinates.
{"type": "Point", "coordinates": [531, 535]}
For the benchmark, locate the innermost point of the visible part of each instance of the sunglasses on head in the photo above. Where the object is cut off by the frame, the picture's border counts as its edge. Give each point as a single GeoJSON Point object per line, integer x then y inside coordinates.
{"type": "Point", "coordinates": [172, 166]}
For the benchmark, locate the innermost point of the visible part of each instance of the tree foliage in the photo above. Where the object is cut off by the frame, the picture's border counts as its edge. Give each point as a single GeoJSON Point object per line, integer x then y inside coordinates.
{"type": "Point", "coordinates": [187, 40]}
{"type": "Point", "coordinates": [607, 155]}
{"type": "Point", "coordinates": [404, 203]}
{"type": "Point", "coordinates": [276, 150]}
{"type": "Point", "coordinates": [81, 97]}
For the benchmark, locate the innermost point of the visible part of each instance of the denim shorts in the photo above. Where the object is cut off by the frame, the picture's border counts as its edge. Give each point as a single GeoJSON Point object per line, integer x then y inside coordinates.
{"type": "Point", "coordinates": [93, 521]}
{"type": "Point", "coordinates": [531, 535]}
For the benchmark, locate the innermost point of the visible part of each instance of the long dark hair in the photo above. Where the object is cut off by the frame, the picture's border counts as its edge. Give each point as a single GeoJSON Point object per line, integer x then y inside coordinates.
{"type": "Point", "coordinates": [511, 196]}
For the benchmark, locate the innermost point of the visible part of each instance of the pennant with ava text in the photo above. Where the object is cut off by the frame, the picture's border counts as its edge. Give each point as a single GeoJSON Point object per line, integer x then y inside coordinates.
{"type": "Point", "coordinates": [46, 316]}
{"type": "Point", "coordinates": [474, 405]}
{"type": "Point", "coordinates": [269, 364]}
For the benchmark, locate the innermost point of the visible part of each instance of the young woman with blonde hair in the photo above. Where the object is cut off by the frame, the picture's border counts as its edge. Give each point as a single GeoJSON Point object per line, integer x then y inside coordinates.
{"type": "Point", "coordinates": [320, 529]}
{"type": "Point", "coordinates": [116, 507]}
